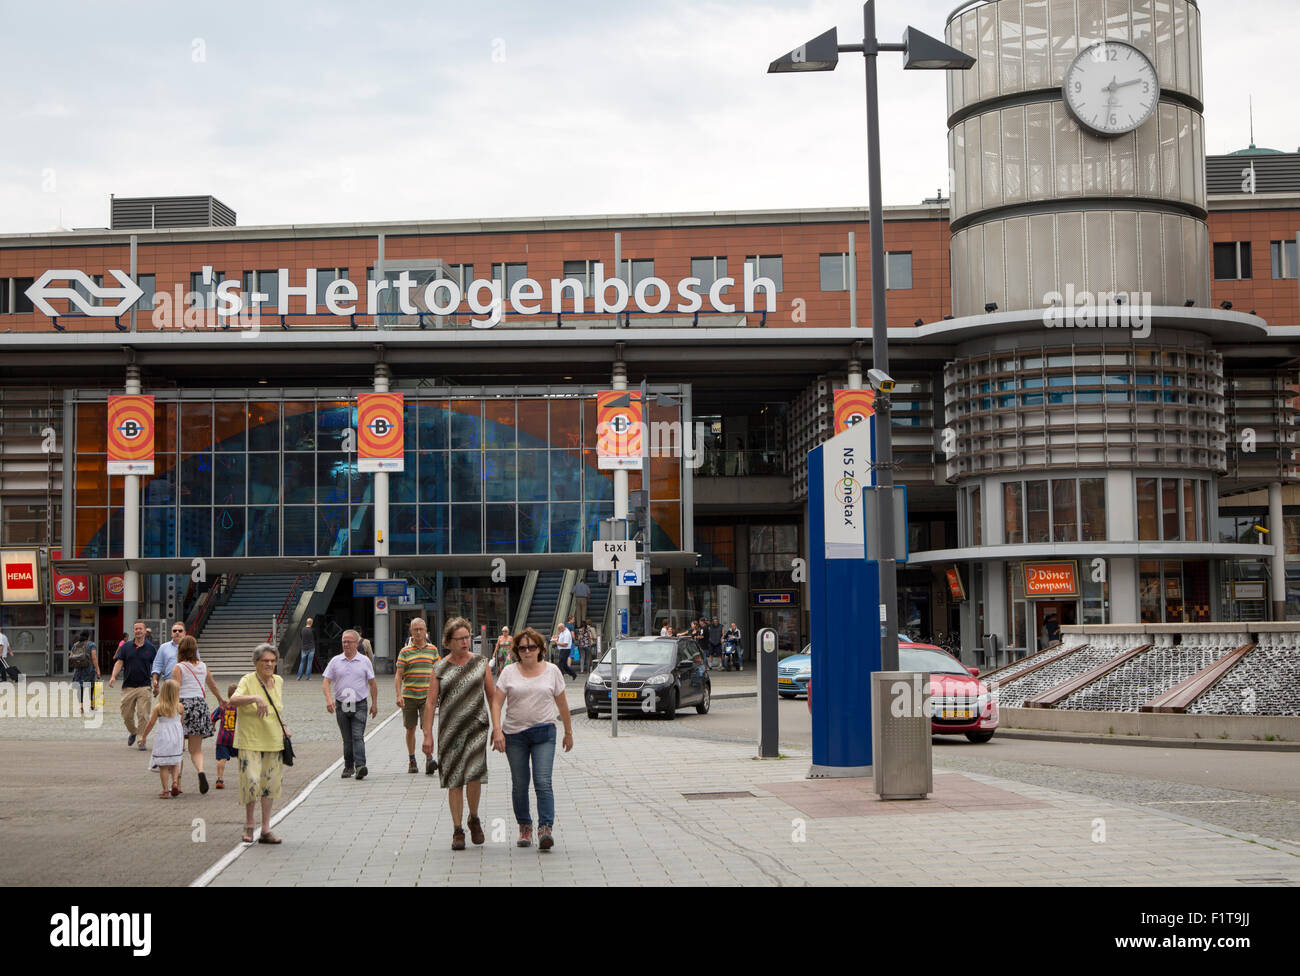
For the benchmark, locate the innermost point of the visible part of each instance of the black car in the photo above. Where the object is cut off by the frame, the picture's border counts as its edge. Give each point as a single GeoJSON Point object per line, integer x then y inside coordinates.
{"type": "Point", "coordinates": [656, 675]}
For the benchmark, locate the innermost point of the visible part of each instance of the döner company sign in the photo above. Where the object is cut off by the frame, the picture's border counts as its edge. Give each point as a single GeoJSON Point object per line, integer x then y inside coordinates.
{"type": "Point", "coordinates": [441, 296]}
{"type": "Point", "coordinates": [1051, 579]}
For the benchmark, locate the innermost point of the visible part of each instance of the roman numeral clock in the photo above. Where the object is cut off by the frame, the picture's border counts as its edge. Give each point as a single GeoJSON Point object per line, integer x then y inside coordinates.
{"type": "Point", "coordinates": [1111, 88]}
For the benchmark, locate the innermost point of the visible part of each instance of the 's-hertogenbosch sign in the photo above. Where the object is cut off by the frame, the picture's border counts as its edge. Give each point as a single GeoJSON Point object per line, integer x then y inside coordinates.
{"type": "Point", "coordinates": [441, 296]}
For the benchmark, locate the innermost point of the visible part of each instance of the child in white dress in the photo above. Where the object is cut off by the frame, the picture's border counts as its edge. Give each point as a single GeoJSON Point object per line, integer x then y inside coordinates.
{"type": "Point", "coordinates": [169, 743]}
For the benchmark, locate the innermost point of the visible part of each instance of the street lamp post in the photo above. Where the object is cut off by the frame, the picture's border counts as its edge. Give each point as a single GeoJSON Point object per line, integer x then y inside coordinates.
{"type": "Point", "coordinates": [920, 51]}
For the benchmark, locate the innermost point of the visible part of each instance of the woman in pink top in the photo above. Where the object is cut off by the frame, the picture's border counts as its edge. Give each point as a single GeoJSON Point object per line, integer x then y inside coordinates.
{"type": "Point", "coordinates": [532, 692]}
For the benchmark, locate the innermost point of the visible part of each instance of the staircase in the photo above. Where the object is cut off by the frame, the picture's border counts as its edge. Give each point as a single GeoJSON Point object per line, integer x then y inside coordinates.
{"type": "Point", "coordinates": [541, 612]}
{"type": "Point", "coordinates": [237, 626]}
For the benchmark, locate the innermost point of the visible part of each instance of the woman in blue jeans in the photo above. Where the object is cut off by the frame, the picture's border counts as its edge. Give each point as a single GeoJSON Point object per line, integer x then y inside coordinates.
{"type": "Point", "coordinates": [532, 692]}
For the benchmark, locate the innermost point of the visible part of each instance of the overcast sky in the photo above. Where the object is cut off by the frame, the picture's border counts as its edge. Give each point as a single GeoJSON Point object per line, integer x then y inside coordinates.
{"type": "Point", "coordinates": [309, 113]}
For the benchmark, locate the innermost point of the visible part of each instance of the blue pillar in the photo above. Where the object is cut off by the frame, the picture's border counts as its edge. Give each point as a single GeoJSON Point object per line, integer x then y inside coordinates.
{"type": "Point", "coordinates": [845, 631]}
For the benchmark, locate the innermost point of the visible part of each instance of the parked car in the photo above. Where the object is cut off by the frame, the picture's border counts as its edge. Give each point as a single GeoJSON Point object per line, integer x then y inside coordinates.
{"type": "Point", "coordinates": [656, 675]}
{"type": "Point", "coordinates": [961, 703]}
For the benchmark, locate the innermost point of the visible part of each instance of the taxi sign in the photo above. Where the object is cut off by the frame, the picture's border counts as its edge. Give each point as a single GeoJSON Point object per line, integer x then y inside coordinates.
{"type": "Point", "coordinates": [613, 556]}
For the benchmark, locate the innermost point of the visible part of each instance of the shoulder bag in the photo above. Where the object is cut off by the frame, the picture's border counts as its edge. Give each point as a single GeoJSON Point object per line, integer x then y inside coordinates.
{"type": "Point", "coordinates": [286, 754]}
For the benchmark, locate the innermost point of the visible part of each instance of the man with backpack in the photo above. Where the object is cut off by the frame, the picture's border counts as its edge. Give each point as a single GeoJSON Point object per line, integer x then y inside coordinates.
{"type": "Point", "coordinates": [83, 662]}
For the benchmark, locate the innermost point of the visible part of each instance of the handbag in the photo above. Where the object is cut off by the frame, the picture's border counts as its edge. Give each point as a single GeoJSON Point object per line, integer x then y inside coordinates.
{"type": "Point", "coordinates": [286, 754]}
{"type": "Point", "coordinates": [97, 696]}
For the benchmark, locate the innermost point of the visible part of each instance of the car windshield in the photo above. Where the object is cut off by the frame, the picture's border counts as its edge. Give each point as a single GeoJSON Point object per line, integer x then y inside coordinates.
{"type": "Point", "coordinates": [662, 653]}
{"type": "Point", "coordinates": [924, 659]}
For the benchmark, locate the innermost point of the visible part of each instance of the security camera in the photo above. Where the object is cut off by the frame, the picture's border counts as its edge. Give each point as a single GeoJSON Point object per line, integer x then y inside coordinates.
{"type": "Point", "coordinates": [881, 381]}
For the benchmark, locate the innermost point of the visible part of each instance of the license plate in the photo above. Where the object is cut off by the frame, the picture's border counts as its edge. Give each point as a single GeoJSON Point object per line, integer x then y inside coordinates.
{"type": "Point", "coordinates": [785, 681]}
{"type": "Point", "coordinates": [627, 694]}
{"type": "Point", "coordinates": [956, 713]}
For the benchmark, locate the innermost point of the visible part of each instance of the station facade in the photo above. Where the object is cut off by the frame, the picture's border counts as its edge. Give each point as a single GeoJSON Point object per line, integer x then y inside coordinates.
{"type": "Point", "coordinates": [1067, 455]}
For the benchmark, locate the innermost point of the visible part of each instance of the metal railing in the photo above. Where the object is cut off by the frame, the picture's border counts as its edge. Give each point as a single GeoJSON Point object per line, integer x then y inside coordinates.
{"type": "Point", "coordinates": [295, 591]}
{"type": "Point", "coordinates": [218, 592]}
{"type": "Point", "coordinates": [740, 464]}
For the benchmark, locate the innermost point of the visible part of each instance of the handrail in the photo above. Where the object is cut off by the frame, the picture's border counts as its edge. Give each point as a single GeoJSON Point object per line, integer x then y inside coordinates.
{"type": "Point", "coordinates": [294, 592]}
{"type": "Point", "coordinates": [1177, 698]}
{"type": "Point", "coordinates": [223, 584]}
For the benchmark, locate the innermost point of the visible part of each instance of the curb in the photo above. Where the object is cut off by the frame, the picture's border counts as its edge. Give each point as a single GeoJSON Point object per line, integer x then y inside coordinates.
{"type": "Point", "coordinates": [1149, 741]}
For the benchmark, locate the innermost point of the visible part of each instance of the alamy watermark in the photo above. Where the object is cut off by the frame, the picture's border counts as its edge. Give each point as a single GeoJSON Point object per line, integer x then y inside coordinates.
{"type": "Point", "coordinates": [49, 699]}
{"type": "Point", "coordinates": [1098, 310]}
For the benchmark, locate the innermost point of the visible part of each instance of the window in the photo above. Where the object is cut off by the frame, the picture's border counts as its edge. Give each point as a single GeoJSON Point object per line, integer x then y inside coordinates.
{"type": "Point", "coordinates": [147, 286]}
{"type": "Point", "coordinates": [267, 283]}
{"type": "Point", "coordinates": [1013, 520]}
{"type": "Point", "coordinates": [1283, 254]}
{"type": "Point", "coordinates": [636, 270]}
{"type": "Point", "coordinates": [326, 277]}
{"type": "Point", "coordinates": [580, 270]}
{"type": "Point", "coordinates": [22, 303]}
{"type": "Point", "coordinates": [898, 270]}
{"type": "Point", "coordinates": [708, 270]}
{"type": "Point", "coordinates": [1065, 525]}
{"type": "Point", "coordinates": [834, 272]}
{"type": "Point", "coordinates": [1036, 508]}
{"type": "Point", "coordinates": [4, 296]}
{"type": "Point", "coordinates": [204, 295]}
{"type": "Point", "coordinates": [1148, 518]}
{"type": "Point", "coordinates": [976, 519]}
{"type": "Point", "coordinates": [767, 266]}
{"type": "Point", "coordinates": [1232, 261]}
{"type": "Point", "coordinates": [510, 274]}
{"type": "Point", "coordinates": [1092, 499]}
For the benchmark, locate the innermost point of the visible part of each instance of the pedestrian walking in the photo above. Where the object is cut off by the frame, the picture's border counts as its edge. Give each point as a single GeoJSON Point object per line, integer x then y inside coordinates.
{"type": "Point", "coordinates": [581, 595]}
{"type": "Point", "coordinates": [365, 648]}
{"type": "Point", "coordinates": [259, 736]}
{"type": "Point", "coordinates": [192, 675]}
{"type": "Point", "coordinates": [564, 649]}
{"type": "Point", "coordinates": [133, 660]}
{"type": "Point", "coordinates": [164, 662]}
{"type": "Point", "coordinates": [414, 667]}
{"type": "Point", "coordinates": [168, 744]}
{"type": "Point", "coordinates": [84, 662]}
{"type": "Point", "coordinates": [533, 695]}
{"type": "Point", "coordinates": [307, 650]}
{"type": "Point", "coordinates": [459, 690]}
{"type": "Point", "coordinates": [586, 644]}
{"type": "Point", "coordinates": [223, 720]}
{"type": "Point", "coordinates": [501, 655]}
{"type": "Point", "coordinates": [349, 683]}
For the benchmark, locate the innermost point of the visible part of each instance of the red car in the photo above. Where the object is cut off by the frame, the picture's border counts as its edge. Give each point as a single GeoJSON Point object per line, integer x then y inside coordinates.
{"type": "Point", "coordinates": [961, 703]}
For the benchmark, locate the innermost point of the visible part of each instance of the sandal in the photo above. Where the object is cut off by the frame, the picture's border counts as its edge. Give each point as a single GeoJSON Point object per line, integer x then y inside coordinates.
{"type": "Point", "coordinates": [164, 795]}
{"type": "Point", "coordinates": [458, 839]}
{"type": "Point", "coordinates": [268, 838]}
{"type": "Point", "coordinates": [475, 829]}
{"type": "Point", "coordinates": [248, 833]}
{"type": "Point", "coordinates": [176, 790]}
{"type": "Point", "coordinates": [525, 836]}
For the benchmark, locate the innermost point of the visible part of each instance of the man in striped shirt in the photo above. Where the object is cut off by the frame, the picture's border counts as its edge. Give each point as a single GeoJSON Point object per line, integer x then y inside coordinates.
{"type": "Point", "coordinates": [414, 667]}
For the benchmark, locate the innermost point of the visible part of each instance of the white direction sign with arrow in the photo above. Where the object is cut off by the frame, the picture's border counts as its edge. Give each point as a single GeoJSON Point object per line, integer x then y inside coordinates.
{"type": "Point", "coordinates": [42, 291]}
{"type": "Point", "coordinates": [609, 556]}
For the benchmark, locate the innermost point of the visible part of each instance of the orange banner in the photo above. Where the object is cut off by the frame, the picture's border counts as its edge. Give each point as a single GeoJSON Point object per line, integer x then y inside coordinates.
{"type": "Point", "coordinates": [955, 587]}
{"type": "Point", "coordinates": [618, 430]}
{"type": "Point", "coordinates": [1051, 579]}
{"type": "Point", "coordinates": [853, 407]}
{"type": "Point", "coordinates": [130, 434]}
{"type": "Point", "coordinates": [379, 432]}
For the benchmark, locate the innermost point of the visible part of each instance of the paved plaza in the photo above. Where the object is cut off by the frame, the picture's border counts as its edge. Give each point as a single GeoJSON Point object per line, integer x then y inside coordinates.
{"type": "Point", "coordinates": [636, 811]}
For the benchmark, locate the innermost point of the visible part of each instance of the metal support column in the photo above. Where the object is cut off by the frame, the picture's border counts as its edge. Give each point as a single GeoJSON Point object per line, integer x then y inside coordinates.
{"type": "Point", "coordinates": [381, 624]}
{"type": "Point", "coordinates": [1277, 528]}
{"type": "Point", "coordinates": [131, 524]}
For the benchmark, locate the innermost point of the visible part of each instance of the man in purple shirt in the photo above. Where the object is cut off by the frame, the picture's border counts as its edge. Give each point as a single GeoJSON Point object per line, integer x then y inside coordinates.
{"type": "Point", "coordinates": [348, 678]}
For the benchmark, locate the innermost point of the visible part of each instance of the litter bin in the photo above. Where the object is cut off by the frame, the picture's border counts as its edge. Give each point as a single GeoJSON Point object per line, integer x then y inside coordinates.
{"type": "Point", "coordinates": [902, 757]}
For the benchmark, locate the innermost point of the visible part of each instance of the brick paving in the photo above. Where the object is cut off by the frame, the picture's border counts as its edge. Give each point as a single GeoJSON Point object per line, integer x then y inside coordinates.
{"type": "Point", "coordinates": [622, 819]}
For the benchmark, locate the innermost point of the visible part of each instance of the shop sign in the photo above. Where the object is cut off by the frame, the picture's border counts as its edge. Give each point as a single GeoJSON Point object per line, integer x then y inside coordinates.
{"type": "Point", "coordinates": [781, 598]}
{"type": "Point", "coordinates": [70, 588]}
{"type": "Point", "coordinates": [19, 582]}
{"type": "Point", "coordinates": [955, 587]}
{"type": "Point", "coordinates": [1248, 591]}
{"type": "Point", "coordinates": [1051, 579]}
{"type": "Point", "coordinates": [114, 587]}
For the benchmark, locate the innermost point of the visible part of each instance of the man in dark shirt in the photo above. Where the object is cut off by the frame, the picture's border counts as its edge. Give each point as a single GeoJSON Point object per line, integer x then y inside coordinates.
{"type": "Point", "coordinates": [714, 637]}
{"type": "Point", "coordinates": [133, 662]}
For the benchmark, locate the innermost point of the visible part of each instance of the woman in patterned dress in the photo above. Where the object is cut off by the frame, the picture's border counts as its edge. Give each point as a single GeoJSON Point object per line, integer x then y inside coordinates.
{"type": "Point", "coordinates": [459, 689]}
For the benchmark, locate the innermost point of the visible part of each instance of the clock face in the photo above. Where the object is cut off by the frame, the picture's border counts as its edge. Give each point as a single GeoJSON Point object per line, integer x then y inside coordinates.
{"type": "Point", "coordinates": [1111, 88]}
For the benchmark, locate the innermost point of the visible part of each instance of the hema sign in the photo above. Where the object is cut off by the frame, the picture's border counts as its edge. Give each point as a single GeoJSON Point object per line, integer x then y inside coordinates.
{"type": "Point", "coordinates": [19, 576]}
{"type": "Point", "coordinates": [441, 296]}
